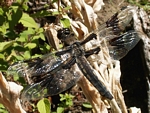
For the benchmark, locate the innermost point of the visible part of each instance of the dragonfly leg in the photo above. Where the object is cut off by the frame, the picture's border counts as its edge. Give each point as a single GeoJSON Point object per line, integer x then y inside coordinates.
{"type": "Point", "coordinates": [92, 51]}
{"type": "Point", "coordinates": [90, 37]}
{"type": "Point", "coordinates": [59, 53]}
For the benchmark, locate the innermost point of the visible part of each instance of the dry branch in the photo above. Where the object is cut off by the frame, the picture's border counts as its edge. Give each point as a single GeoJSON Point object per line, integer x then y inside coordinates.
{"type": "Point", "coordinates": [10, 93]}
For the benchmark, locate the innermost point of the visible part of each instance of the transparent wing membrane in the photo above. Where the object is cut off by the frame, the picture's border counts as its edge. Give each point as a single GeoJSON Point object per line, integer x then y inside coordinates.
{"type": "Point", "coordinates": [121, 45]}
{"type": "Point", "coordinates": [52, 85]}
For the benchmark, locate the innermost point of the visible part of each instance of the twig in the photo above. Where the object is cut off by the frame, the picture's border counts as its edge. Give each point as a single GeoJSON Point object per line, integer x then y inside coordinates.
{"type": "Point", "coordinates": [9, 95]}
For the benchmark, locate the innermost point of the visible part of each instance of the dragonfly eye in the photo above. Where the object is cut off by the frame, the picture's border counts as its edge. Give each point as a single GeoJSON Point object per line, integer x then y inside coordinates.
{"type": "Point", "coordinates": [63, 33]}
{"type": "Point", "coordinates": [66, 36]}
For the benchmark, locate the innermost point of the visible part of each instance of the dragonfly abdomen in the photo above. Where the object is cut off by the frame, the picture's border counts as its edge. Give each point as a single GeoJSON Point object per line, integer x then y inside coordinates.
{"type": "Point", "coordinates": [91, 76]}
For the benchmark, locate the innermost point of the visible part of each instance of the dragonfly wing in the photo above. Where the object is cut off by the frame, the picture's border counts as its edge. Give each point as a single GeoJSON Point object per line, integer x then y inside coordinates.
{"type": "Point", "coordinates": [121, 45]}
{"type": "Point", "coordinates": [117, 52]}
{"type": "Point", "coordinates": [117, 23]}
{"type": "Point", "coordinates": [36, 68]}
{"type": "Point", "coordinates": [52, 85]}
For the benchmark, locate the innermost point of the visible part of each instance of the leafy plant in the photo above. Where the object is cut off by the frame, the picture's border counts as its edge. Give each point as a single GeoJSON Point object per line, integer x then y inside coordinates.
{"type": "Point", "coordinates": [66, 101]}
{"type": "Point", "coordinates": [87, 105]}
{"type": "Point", "coordinates": [3, 109]}
{"type": "Point", "coordinates": [145, 4]}
{"type": "Point", "coordinates": [44, 106]}
{"type": "Point", "coordinates": [19, 35]}
{"type": "Point", "coordinates": [22, 38]}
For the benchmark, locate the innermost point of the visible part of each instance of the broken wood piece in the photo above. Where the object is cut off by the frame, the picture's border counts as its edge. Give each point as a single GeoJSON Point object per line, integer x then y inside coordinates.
{"type": "Point", "coordinates": [10, 93]}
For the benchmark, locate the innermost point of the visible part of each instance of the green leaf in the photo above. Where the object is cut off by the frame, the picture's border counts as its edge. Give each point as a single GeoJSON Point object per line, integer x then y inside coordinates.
{"type": "Point", "coordinates": [1, 106]}
{"type": "Point", "coordinates": [1, 11]}
{"type": "Point", "coordinates": [65, 22]}
{"type": "Point", "coordinates": [3, 109]}
{"type": "Point", "coordinates": [11, 35]}
{"type": "Point", "coordinates": [27, 55]}
{"type": "Point", "coordinates": [24, 36]}
{"type": "Point", "coordinates": [27, 32]}
{"type": "Point", "coordinates": [4, 28]}
{"type": "Point", "coordinates": [5, 45]}
{"type": "Point", "coordinates": [35, 37]}
{"type": "Point", "coordinates": [40, 30]}
{"type": "Point", "coordinates": [69, 102]}
{"type": "Point", "coordinates": [42, 36]}
{"type": "Point", "coordinates": [2, 20]}
{"type": "Point", "coordinates": [15, 17]}
{"type": "Point", "coordinates": [55, 13]}
{"type": "Point", "coordinates": [22, 39]}
{"type": "Point", "coordinates": [19, 57]}
{"type": "Point", "coordinates": [44, 106]}
{"type": "Point", "coordinates": [47, 46]}
{"type": "Point", "coordinates": [67, 8]}
{"type": "Point", "coordinates": [25, 7]}
{"type": "Point", "coordinates": [19, 48]}
{"type": "Point", "coordinates": [28, 21]}
{"type": "Point", "coordinates": [15, 77]}
{"type": "Point", "coordinates": [66, 100]}
{"type": "Point", "coordinates": [31, 45]}
{"type": "Point", "coordinates": [60, 110]}
{"type": "Point", "coordinates": [44, 48]}
{"type": "Point", "coordinates": [2, 56]}
{"type": "Point", "coordinates": [62, 97]}
{"type": "Point", "coordinates": [87, 105]}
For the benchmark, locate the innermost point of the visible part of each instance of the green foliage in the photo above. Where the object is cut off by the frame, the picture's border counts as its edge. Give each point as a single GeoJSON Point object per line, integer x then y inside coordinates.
{"type": "Point", "coordinates": [60, 109]}
{"type": "Point", "coordinates": [66, 101]}
{"type": "Point", "coordinates": [27, 21]}
{"type": "Point", "coordinates": [19, 35]}
{"type": "Point", "coordinates": [87, 105]}
{"type": "Point", "coordinates": [44, 106]}
{"type": "Point", "coordinates": [5, 45]}
{"type": "Point", "coordinates": [2, 109]}
{"type": "Point", "coordinates": [22, 38]}
{"type": "Point", "coordinates": [145, 4]}
{"type": "Point", "coordinates": [65, 22]}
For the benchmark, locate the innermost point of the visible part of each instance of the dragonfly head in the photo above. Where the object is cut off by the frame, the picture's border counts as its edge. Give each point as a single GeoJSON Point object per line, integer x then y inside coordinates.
{"type": "Point", "coordinates": [66, 36]}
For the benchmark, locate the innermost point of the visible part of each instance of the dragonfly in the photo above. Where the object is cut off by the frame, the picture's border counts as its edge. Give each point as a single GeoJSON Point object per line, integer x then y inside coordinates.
{"type": "Point", "coordinates": [52, 74]}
